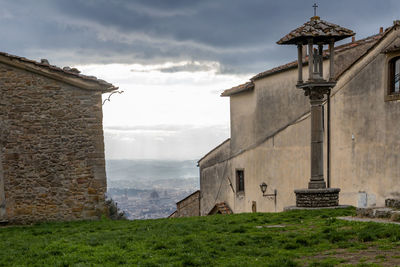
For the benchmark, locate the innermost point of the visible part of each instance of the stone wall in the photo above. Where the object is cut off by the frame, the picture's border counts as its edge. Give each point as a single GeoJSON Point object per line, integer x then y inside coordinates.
{"type": "Point", "coordinates": [52, 148]}
{"type": "Point", "coordinates": [311, 198]}
{"type": "Point", "coordinates": [189, 206]}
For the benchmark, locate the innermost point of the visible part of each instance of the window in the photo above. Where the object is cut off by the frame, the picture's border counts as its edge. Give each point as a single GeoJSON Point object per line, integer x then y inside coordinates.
{"type": "Point", "coordinates": [239, 181]}
{"type": "Point", "coordinates": [393, 92]}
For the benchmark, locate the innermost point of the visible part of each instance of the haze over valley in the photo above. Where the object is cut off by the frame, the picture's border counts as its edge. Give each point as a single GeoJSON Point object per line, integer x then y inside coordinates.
{"type": "Point", "coordinates": [149, 189]}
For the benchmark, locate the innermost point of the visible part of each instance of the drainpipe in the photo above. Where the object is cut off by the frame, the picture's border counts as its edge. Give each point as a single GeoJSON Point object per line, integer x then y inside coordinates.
{"type": "Point", "coordinates": [328, 141]}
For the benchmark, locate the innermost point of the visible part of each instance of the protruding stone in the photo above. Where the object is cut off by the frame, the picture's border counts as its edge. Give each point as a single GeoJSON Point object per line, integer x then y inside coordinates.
{"type": "Point", "coordinates": [44, 61]}
{"type": "Point", "coordinates": [75, 70]}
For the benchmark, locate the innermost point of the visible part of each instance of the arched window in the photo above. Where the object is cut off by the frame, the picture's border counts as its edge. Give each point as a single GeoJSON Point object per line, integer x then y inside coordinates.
{"type": "Point", "coordinates": [394, 76]}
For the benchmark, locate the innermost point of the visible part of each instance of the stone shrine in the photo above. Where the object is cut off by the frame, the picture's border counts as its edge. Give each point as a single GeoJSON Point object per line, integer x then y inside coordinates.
{"type": "Point", "coordinates": [320, 33]}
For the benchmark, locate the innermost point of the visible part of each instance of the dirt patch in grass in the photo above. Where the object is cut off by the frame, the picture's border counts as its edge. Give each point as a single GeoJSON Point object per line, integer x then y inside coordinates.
{"type": "Point", "coordinates": [373, 256]}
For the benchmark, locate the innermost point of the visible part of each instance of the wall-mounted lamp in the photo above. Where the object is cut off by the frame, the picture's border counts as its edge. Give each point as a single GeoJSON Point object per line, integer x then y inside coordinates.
{"type": "Point", "coordinates": [263, 188]}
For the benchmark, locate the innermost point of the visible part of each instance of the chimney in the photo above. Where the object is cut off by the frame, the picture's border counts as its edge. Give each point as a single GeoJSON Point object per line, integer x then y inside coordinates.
{"type": "Point", "coordinates": [381, 30]}
{"type": "Point", "coordinates": [353, 39]}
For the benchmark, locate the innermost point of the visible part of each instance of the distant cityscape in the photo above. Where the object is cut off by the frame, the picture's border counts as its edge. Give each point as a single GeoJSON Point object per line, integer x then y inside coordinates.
{"type": "Point", "coordinates": [149, 189]}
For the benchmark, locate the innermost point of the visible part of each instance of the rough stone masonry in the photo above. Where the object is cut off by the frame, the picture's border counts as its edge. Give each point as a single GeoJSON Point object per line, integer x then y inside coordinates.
{"type": "Point", "coordinates": [51, 139]}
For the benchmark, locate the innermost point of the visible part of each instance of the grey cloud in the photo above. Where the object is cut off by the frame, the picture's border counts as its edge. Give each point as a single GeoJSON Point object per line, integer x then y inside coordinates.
{"type": "Point", "coordinates": [194, 66]}
{"type": "Point", "coordinates": [241, 35]}
{"type": "Point", "coordinates": [190, 67]}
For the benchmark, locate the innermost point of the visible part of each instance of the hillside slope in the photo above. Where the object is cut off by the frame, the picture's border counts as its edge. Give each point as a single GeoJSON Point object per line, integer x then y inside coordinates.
{"type": "Point", "coordinates": [259, 239]}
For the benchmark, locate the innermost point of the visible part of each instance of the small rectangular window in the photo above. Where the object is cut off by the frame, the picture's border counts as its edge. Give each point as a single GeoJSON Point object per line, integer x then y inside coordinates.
{"type": "Point", "coordinates": [394, 75]}
{"type": "Point", "coordinates": [393, 79]}
{"type": "Point", "coordinates": [239, 181]}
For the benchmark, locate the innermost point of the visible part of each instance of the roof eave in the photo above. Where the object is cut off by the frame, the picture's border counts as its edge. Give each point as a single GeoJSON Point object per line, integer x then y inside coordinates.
{"type": "Point", "coordinates": [195, 192]}
{"type": "Point", "coordinates": [238, 89]}
{"type": "Point", "coordinates": [304, 39]}
{"type": "Point", "coordinates": [74, 80]}
{"type": "Point", "coordinates": [211, 151]}
{"type": "Point", "coordinates": [294, 64]}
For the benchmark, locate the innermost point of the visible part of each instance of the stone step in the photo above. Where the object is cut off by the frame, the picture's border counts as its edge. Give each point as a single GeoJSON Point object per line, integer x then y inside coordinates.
{"type": "Point", "coordinates": [376, 212]}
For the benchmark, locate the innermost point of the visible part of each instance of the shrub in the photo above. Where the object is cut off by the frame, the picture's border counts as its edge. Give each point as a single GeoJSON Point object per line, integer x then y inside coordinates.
{"type": "Point", "coordinates": [113, 212]}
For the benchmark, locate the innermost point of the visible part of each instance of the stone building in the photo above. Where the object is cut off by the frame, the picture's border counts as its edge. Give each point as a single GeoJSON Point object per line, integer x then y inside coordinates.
{"type": "Point", "coordinates": [187, 207]}
{"type": "Point", "coordinates": [270, 133]}
{"type": "Point", "coordinates": [52, 163]}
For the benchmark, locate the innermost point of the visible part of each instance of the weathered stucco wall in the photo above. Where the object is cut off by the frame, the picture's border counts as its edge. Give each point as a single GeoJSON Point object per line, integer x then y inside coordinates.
{"type": "Point", "coordinates": [281, 162]}
{"type": "Point", "coordinates": [53, 149]}
{"type": "Point", "coordinates": [279, 103]}
{"type": "Point", "coordinates": [277, 149]}
{"type": "Point", "coordinates": [214, 178]}
{"type": "Point", "coordinates": [366, 130]}
{"type": "Point", "coordinates": [242, 108]}
{"type": "Point", "coordinates": [190, 206]}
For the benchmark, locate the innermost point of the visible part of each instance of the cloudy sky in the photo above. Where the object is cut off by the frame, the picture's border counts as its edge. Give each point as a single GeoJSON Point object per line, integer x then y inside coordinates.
{"type": "Point", "coordinates": [172, 58]}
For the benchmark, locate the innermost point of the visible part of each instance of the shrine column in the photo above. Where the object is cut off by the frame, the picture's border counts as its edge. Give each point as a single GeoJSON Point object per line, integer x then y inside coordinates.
{"type": "Point", "coordinates": [317, 144]}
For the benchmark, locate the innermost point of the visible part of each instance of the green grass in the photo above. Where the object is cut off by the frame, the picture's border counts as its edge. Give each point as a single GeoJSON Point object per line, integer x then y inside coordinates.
{"type": "Point", "coordinates": [220, 240]}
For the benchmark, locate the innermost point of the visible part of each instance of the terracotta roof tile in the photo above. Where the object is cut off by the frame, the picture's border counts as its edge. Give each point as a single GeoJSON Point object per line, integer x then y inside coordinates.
{"type": "Point", "coordinates": [71, 72]}
{"type": "Point", "coordinates": [220, 208]}
{"type": "Point", "coordinates": [371, 40]}
{"type": "Point", "coordinates": [338, 49]}
{"type": "Point", "coordinates": [319, 29]}
{"type": "Point", "coordinates": [238, 89]}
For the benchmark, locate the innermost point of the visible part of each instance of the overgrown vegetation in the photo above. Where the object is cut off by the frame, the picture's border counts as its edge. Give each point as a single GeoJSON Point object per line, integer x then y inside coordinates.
{"type": "Point", "coordinates": [296, 238]}
{"type": "Point", "coordinates": [113, 212]}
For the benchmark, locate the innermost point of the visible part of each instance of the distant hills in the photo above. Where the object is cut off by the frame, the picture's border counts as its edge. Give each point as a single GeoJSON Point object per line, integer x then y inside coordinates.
{"type": "Point", "coordinates": [132, 184]}
{"type": "Point", "coordinates": [147, 174]}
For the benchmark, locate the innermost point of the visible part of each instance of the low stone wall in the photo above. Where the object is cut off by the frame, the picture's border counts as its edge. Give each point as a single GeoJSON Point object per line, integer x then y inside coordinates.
{"type": "Point", "coordinates": [314, 198]}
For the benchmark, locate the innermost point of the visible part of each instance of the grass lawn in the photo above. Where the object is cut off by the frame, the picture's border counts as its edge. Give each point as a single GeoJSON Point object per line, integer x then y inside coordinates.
{"type": "Point", "coordinates": [295, 238]}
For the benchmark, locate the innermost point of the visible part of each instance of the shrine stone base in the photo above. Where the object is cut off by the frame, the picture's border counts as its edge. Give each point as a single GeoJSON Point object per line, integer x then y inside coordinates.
{"type": "Point", "coordinates": [317, 198]}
